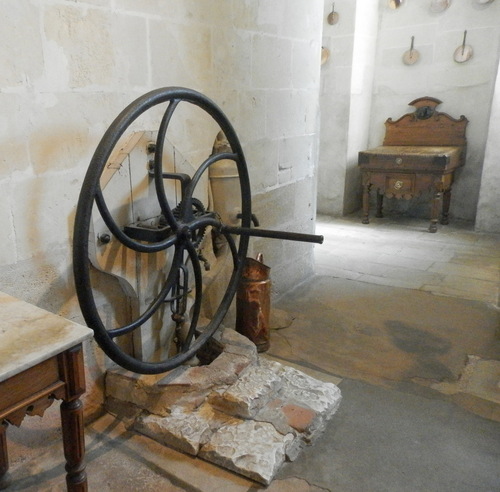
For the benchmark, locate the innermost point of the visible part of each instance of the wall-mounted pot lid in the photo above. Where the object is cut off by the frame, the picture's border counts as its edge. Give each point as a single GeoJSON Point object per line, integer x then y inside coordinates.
{"type": "Point", "coordinates": [325, 54]}
{"type": "Point", "coordinates": [333, 17]}
{"type": "Point", "coordinates": [395, 4]}
{"type": "Point", "coordinates": [463, 53]}
{"type": "Point", "coordinates": [411, 56]}
{"type": "Point", "coordinates": [439, 5]}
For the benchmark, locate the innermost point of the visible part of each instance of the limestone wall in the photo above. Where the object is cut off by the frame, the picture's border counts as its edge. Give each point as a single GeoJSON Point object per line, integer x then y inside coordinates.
{"type": "Point", "coordinates": [69, 67]}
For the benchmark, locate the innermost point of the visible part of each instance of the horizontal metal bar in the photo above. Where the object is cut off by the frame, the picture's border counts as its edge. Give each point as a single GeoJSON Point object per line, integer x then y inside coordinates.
{"type": "Point", "coordinates": [289, 236]}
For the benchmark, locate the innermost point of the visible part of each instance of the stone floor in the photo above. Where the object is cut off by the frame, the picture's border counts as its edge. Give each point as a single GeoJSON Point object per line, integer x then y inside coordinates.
{"type": "Point", "coordinates": [399, 252]}
{"type": "Point", "coordinates": [406, 323]}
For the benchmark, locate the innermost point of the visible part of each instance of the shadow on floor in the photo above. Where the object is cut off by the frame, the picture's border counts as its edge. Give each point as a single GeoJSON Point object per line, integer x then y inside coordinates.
{"type": "Point", "coordinates": [394, 431]}
{"type": "Point", "coordinates": [378, 333]}
{"type": "Point", "coordinates": [398, 338]}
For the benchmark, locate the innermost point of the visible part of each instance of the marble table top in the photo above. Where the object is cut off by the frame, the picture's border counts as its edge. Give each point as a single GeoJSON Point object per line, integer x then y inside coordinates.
{"type": "Point", "coordinates": [30, 335]}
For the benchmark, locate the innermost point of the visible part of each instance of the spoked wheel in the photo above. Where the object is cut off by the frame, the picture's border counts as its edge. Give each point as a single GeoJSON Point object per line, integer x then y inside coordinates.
{"type": "Point", "coordinates": [184, 221]}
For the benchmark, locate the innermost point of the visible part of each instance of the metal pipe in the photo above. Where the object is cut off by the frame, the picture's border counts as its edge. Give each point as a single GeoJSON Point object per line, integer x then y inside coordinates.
{"type": "Point", "coordinates": [289, 236]}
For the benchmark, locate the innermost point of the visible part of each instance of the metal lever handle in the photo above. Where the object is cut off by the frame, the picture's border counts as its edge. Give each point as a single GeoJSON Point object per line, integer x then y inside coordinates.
{"type": "Point", "coordinates": [290, 236]}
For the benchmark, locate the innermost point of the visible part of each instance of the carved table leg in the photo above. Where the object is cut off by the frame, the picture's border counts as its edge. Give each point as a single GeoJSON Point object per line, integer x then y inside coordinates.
{"type": "Point", "coordinates": [380, 203]}
{"type": "Point", "coordinates": [4, 458]}
{"type": "Point", "coordinates": [446, 206]}
{"type": "Point", "coordinates": [366, 203]}
{"type": "Point", "coordinates": [74, 445]}
{"type": "Point", "coordinates": [435, 208]}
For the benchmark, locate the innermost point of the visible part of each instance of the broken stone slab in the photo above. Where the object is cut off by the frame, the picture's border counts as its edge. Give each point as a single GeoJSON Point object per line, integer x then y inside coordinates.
{"type": "Point", "coordinates": [224, 370]}
{"type": "Point", "coordinates": [148, 395]}
{"type": "Point", "coordinates": [183, 429]}
{"type": "Point", "coordinates": [273, 414]}
{"type": "Point", "coordinates": [204, 410]}
{"type": "Point", "coordinates": [278, 419]}
{"type": "Point", "coordinates": [302, 406]}
{"type": "Point", "coordinates": [180, 430]}
{"type": "Point", "coordinates": [236, 354]}
{"type": "Point", "coordinates": [296, 404]}
{"type": "Point", "coordinates": [228, 341]}
{"type": "Point", "coordinates": [187, 386]}
{"type": "Point", "coordinates": [287, 417]}
{"type": "Point", "coordinates": [252, 391]}
{"type": "Point", "coordinates": [310, 403]}
{"type": "Point", "coordinates": [253, 449]}
{"type": "Point", "coordinates": [299, 417]}
{"type": "Point", "coordinates": [315, 394]}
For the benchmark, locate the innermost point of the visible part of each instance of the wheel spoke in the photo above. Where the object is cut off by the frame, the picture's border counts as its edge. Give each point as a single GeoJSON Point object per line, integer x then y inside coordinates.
{"type": "Point", "coordinates": [157, 302]}
{"type": "Point", "coordinates": [122, 237]}
{"type": "Point", "coordinates": [195, 314]}
{"type": "Point", "coordinates": [158, 165]}
{"type": "Point", "coordinates": [234, 250]}
{"type": "Point", "coordinates": [205, 165]}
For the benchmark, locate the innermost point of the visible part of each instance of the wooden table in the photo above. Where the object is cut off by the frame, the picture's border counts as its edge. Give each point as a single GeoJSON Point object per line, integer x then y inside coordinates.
{"type": "Point", "coordinates": [41, 359]}
{"type": "Point", "coordinates": [420, 153]}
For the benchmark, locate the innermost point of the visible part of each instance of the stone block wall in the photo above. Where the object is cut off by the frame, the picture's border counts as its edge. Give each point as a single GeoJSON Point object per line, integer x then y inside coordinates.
{"type": "Point", "coordinates": [69, 67]}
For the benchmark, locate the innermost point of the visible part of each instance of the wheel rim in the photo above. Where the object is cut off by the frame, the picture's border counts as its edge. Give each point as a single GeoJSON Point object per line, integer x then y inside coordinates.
{"type": "Point", "coordinates": [185, 228]}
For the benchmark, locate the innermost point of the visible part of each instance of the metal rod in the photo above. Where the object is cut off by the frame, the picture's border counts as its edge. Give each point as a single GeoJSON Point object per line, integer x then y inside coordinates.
{"type": "Point", "coordinates": [289, 236]}
{"type": "Point", "coordinates": [463, 42]}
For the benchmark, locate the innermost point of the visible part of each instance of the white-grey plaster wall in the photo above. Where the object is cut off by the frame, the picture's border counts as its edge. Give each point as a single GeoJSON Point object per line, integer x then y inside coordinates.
{"type": "Point", "coordinates": [335, 104]}
{"type": "Point", "coordinates": [488, 212]}
{"type": "Point", "coordinates": [345, 101]}
{"type": "Point", "coordinates": [365, 43]}
{"type": "Point", "coordinates": [69, 67]}
{"type": "Point", "coordinates": [464, 89]}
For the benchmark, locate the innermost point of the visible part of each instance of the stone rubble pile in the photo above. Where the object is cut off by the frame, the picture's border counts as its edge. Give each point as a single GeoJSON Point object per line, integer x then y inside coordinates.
{"type": "Point", "coordinates": [240, 411]}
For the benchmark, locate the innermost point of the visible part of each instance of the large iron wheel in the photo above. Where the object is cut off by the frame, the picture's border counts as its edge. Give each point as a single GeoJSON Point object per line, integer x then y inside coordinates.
{"type": "Point", "coordinates": [186, 222]}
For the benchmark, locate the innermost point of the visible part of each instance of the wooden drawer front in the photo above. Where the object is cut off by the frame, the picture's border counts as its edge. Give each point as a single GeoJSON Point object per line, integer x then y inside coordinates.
{"type": "Point", "coordinates": [400, 184]}
{"type": "Point", "coordinates": [23, 386]}
{"type": "Point", "coordinates": [405, 162]}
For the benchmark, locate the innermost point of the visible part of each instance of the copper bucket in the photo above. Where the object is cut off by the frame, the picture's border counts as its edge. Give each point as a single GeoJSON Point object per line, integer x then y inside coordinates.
{"type": "Point", "coordinates": [253, 303]}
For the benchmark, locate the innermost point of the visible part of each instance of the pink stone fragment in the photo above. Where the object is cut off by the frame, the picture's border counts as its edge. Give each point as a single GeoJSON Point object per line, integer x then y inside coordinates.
{"type": "Point", "coordinates": [298, 417]}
